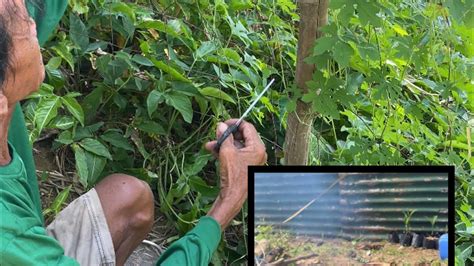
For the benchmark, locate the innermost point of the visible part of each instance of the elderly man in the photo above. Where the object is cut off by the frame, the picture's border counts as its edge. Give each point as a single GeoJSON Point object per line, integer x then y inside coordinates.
{"type": "Point", "coordinates": [100, 227]}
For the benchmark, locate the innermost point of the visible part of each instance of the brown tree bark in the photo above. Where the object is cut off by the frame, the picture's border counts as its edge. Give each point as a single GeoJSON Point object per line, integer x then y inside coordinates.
{"type": "Point", "coordinates": [313, 15]}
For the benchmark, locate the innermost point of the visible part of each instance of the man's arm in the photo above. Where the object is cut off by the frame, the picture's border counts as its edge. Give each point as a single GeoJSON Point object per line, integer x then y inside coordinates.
{"type": "Point", "coordinates": [236, 154]}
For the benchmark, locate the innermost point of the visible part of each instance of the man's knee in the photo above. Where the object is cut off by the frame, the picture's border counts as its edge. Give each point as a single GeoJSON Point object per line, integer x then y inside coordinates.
{"type": "Point", "coordinates": [134, 197]}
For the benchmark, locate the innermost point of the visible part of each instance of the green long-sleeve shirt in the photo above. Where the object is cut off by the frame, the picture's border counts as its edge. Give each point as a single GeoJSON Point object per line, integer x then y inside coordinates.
{"type": "Point", "coordinates": [23, 240]}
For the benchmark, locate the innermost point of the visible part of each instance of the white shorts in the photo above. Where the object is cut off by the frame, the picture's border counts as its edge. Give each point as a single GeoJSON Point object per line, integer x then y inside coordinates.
{"type": "Point", "coordinates": [81, 229]}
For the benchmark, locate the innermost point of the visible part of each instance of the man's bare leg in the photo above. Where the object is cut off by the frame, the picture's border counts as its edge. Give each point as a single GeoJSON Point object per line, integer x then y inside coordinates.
{"type": "Point", "coordinates": [129, 209]}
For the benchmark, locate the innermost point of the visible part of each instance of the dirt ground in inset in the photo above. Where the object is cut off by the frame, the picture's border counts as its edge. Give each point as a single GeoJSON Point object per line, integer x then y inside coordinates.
{"type": "Point", "coordinates": [281, 249]}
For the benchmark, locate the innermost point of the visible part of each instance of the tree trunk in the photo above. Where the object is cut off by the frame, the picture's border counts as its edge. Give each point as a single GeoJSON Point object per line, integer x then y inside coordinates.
{"type": "Point", "coordinates": [313, 15]}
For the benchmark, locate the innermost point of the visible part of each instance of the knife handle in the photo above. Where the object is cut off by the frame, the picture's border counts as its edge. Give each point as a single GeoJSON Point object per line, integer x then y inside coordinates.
{"type": "Point", "coordinates": [230, 130]}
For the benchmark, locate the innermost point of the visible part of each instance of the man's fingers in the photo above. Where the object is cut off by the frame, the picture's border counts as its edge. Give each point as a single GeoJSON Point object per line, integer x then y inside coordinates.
{"type": "Point", "coordinates": [237, 135]}
{"type": "Point", "coordinates": [209, 146]}
{"type": "Point", "coordinates": [249, 134]}
{"type": "Point", "coordinates": [229, 141]}
{"type": "Point", "coordinates": [246, 132]}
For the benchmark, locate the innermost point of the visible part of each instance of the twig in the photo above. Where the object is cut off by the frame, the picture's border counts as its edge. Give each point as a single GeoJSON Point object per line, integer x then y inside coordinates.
{"type": "Point", "coordinates": [313, 200]}
{"type": "Point", "coordinates": [47, 136]}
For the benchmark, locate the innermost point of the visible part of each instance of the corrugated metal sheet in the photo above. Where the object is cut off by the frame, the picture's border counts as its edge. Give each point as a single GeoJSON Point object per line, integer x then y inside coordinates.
{"type": "Point", "coordinates": [360, 205]}
{"type": "Point", "coordinates": [277, 196]}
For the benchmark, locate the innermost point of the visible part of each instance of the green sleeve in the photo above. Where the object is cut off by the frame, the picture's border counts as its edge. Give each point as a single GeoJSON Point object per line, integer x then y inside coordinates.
{"type": "Point", "coordinates": [196, 247]}
{"type": "Point", "coordinates": [23, 239]}
{"type": "Point", "coordinates": [47, 14]}
{"type": "Point", "coordinates": [18, 138]}
{"type": "Point", "coordinates": [35, 247]}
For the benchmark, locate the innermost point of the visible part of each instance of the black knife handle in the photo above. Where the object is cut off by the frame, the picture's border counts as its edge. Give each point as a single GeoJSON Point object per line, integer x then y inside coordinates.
{"type": "Point", "coordinates": [230, 130]}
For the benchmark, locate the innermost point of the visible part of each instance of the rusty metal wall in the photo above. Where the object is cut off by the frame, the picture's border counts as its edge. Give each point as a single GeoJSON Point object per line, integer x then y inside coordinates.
{"type": "Point", "coordinates": [360, 205]}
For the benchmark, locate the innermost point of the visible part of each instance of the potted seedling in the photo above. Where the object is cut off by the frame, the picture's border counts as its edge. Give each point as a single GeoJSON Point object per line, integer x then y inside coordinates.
{"type": "Point", "coordinates": [417, 240]}
{"type": "Point", "coordinates": [431, 241]}
{"type": "Point", "coordinates": [393, 237]}
{"type": "Point", "coordinates": [406, 238]}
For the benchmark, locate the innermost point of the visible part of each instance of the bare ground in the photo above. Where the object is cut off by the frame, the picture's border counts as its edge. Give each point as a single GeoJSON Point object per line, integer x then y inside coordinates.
{"type": "Point", "coordinates": [280, 250]}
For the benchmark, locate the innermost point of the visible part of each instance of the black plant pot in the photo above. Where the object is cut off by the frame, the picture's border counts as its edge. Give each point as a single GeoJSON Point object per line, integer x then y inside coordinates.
{"type": "Point", "coordinates": [406, 239]}
{"type": "Point", "coordinates": [393, 238]}
{"type": "Point", "coordinates": [417, 240]}
{"type": "Point", "coordinates": [430, 242]}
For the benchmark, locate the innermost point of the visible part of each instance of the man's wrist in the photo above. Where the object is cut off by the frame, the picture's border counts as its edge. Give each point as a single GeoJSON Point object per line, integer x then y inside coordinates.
{"type": "Point", "coordinates": [218, 212]}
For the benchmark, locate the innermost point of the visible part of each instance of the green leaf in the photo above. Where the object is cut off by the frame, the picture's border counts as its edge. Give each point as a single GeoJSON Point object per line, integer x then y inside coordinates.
{"type": "Point", "coordinates": [205, 49]}
{"type": "Point", "coordinates": [53, 63]}
{"type": "Point", "coordinates": [324, 44]}
{"type": "Point", "coordinates": [74, 108]}
{"type": "Point", "coordinates": [169, 30]}
{"type": "Point", "coordinates": [367, 11]}
{"type": "Point", "coordinates": [60, 200]}
{"type": "Point", "coordinates": [154, 98]}
{"type": "Point", "coordinates": [398, 29]}
{"type": "Point", "coordinates": [291, 106]}
{"type": "Point", "coordinates": [125, 9]}
{"type": "Point", "coordinates": [151, 128]}
{"type": "Point", "coordinates": [462, 11]}
{"type": "Point", "coordinates": [170, 70]}
{"type": "Point", "coordinates": [197, 184]}
{"type": "Point", "coordinates": [79, 6]}
{"type": "Point", "coordinates": [46, 110]}
{"type": "Point", "coordinates": [63, 122]}
{"type": "Point", "coordinates": [65, 137]}
{"type": "Point", "coordinates": [181, 103]}
{"type": "Point", "coordinates": [95, 147]}
{"type": "Point", "coordinates": [78, 32]}
{"type": "Point", "coordinates": [81, 164]}
{"type": "Point", "coordinates": [336, 4]}
{"type": "Point", "coordinates": [95, 165]}
{"type": "Point", "coordinates": [64, 52]}
{"type": "Point", "coordinates": [117, 140]}
{"type": "Point", "coordinates": [230, 54]}
{"type": "Point", "coordinates": [342, 53]}
{"type": "Point", "coordinates": [140, 59]}
{"type": "Point", "coordinates": [216, 93]}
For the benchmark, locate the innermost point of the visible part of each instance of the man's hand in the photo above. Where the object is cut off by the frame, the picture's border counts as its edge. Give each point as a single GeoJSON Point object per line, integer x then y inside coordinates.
{"type": "Point", "coordinates": [236, 153]}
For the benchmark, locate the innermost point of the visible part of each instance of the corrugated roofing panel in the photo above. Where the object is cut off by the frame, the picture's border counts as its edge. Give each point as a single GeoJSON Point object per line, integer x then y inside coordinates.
{"type": "Point", "coordinates": [360, 205]}
{"type": "Point", "coordinates": [278, 195]}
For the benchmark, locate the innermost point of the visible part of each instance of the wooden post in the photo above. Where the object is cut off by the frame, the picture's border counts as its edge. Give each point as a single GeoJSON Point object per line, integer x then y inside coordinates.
{"type": "Point", "coordinates": [313, 15]}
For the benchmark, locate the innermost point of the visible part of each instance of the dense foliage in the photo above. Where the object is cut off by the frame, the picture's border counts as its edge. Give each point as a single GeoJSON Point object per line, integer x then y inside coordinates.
{"type": "Point", "coordinates": [398, 88]}
{"type": "Point", "coordinates": [138, 87]}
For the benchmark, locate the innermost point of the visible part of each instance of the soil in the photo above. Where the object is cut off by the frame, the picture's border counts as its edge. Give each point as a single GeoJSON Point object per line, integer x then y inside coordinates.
{"type": "Point", "coordinates": [344, 252]}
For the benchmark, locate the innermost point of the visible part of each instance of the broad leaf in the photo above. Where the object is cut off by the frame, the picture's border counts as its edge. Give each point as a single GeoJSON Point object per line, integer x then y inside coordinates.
{"type": "Point", "coordinates": [81, 164]}
{"type": "Point", "coordinates": [74, 108]}
{"type": "Point", "coordinates": [154, 98]}
{"type": "Point", "coordinates": [78, 32]}
{"type": "Point", "coordinates": [216, 93]}
{"type": "Point", "coordinates": [170, 70]}
{"type": "Point", "coordinates": [181, 103]}
{"type": "Point", "coordinates": [95, 147]}
{"type": "Point", "coordinates": [46, 110]}
{"type": "Point", "coordinates": [117, 140]}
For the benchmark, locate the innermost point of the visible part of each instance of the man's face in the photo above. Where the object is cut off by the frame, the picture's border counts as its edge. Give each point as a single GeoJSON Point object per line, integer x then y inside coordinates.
{"type": "Point", "coordinates": [26, 70]}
